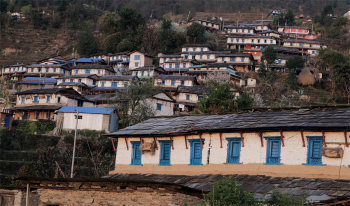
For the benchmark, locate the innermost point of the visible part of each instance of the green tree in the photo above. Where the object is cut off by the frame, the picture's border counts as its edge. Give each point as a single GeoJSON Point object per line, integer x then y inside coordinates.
{"type": "Point", "coordinates": [245, 101]}
{"type": "Point", "coordinates": [195, 32]}
{"type": "Point", "coordinates": [110, 43]}
{"type": "Point", "coordinates": [228, 192]}
{"type": "Point", "coordinates": [125, 45]}
{"type": "Point", "coordinates": [276, 198]}
{"type": "Point", "coordinates": [87, 43]}
{"type": "Point", "coordinates": [270, 55]}
{"type": "Point", "coordinates": [292, 64]}
{"type": "Point", "coordinates": [36, 19]}
{"type": "Point", "coordinates": [107, 23]}
{"type": "Point", "coordinates": [220, 99]}
{"type": "Point", "coordinates": [331, 57]}
{"type": "Point", "coordinates": [27, 10]}
{"type": "Point", "coordinates": [289, 18]}
{"type": "Point", "coordinates": [62, 7]}
{"type": "Point", "coordinates": [3, 6]}
{"type": "Point", "coordinates": [129, 20]}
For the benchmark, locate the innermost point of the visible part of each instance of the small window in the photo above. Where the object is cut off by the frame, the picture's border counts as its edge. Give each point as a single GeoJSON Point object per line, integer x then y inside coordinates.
{"type": "Point", "coordinates": [230, 30]}
{"type": "Point", "coordinates": [242, 59]}
{"type": "Point", "coordinates": [58, 99]}
{"type": "Point", "coordinates": [114, 84]}
{"type": "Point", "coordinates": [201, 57]}
{"type": "Point", "coordinates": [248, 30]}
{"type": "Point", "coordinates": [233, 150]}
{"type": "Point", "coordinates": [291, 44]}
{"type": "Point", "coordinates": [170, 65]}
{"type": "Point", "coordinates": [313, 52]}
{"type": "Point", "coordinates": [136, 153]}
{"type": "Point", "coordinates": [186, 56]}
{"type": "Point", "coordinates": [79, 80]}
{"type": "Point", "coordinates": [252, 40]}
{"type": "Point", "coordinates": [137, 73]}
{"type": "Point", "coordinates": [237, 40]}
{"type": "Point", "coordinates": [47, 69]}
{"type": "Point", "coordinates": [87, 71]}
{"type": "Point", "coordinates": [265, 41]}
{"type": "Point", "coordinates": [98, 71]}
{"type": "Point", "coordinates": [48, 98]}
{"type": "Point", "coordinates": [54, 69]}
{"type": "Point", "coordinates": [193, 57]}
{"type": "Point", "coordinates": [103, 84]}
{"type": "Point", "coordinates": [200, 97]}
{"type": "Point", "coordinates": [184, 65]}
{"type": "Point", "coordinates": [125, 84]}
{"type": "Point", "coordinates": [222, 58]}
{"type": "Point", "coordinates": [76, 71]}
{"type": "Point", "coordinates": [165, 150]}
{"type": "Point", "coordinates": [37, 115]}
{"type": "Point", "coordinates": [137, 57]}
{"type": "Point", "coordinates": [243, 40]}
{"type": "Point", "coordinates": [314, 156]}
{"type": "Point", "coordinates": [163, 82]}
{"type": "Point", "coordinates": [187, 97]}
{"type": "Point", "coordinates": [271, 41]}
{"type": "Point", "coordinates": [208, 56]}
{"type": "Point", "coordinates": [310, 45]}
{"type": "Point", "coordinates": [187, 49]}
{"type": "Point", "coordinates": [236, 30]}
{"type": "Point", "coordinates": [23, 99]}
{"type": "Point", "coordinates": [80, 103]}
{"type": "Point", "coordinates": [182, 82]}
{"type": "Point", "coordinates": [172, 82]}
{"type": "Point", "coordinates": [136, 64]}
{"type": "Point", "coordinates": [194, 49]}
{"type": "Point", "coordinates": [142, 73]}
{"type": "Point", "coordinates": [94, 82]}
{"type": "Point", "coordinates": [258, 40]}
{"type": "Point", "coordinates": [32, 70]}
{"type": "Point", "coordinates": [232, 59]}
{"type": "Point", "coordinates": [242, 30]}
{"type": "Point", "coordinates": [273, 150]}
{"type": "Point", "coordinates": [39, 69]}
{"type": "Point", "coordinates": [201, 49]}
{"type": "Point", "coordinates": [231, 40]}
{"type": "Point", "coordinates": [196, 152]}
{"type": "Point", "coordinates": [63, 80]}
{"type": "Point", "coordinates": [71, 80]}
{"type": "Point", "coordinates": [35, 100]}
{"type": "Point", "coordinates": [159, 106]}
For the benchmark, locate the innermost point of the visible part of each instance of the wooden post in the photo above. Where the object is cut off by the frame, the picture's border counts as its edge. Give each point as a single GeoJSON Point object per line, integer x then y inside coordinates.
{"type": "Point", "coordinates": [282, 139]}
{"type": "Point", "coordinates": [113, 144]}
{"type": "Point", "coordinates": [220, 140]}
{"type": "Point", "coordinates": [200, 137]}
{"type": "Point", "coordinates": [126, 142]}
{"type": "Point", "coordinates": [186, 141]}
{"type": "Point", "coordinates": [302, 137]}
{"type": "Point", "coordinates": [171, 142]}
{"type": "Point", "coordinates": [346, 139]}
{"type": "Point", "coordinates": [261, 139]}
{"type": "Point", "coordinates": [242, 138]}
{"type": "Point", "coordinates": [154, 139]}
{"type": "Point", "coordinates": [27, 196]}
{"type": "Point", "coordinates": [324, 139]}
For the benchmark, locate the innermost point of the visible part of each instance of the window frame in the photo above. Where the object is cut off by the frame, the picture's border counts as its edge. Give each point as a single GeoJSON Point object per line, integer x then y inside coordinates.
{"type": "Point", "coordinates": [162, 82]}
{"type": "Point", "coordinates": [159, 107]}
{"type": "Point", "coordinates": [232, 140]}
{"type": "Point", "coordinates": [163, 143]}
{"type": "Point", "coordinates": [269, 152]}
{"type": "Point", "coordinates": [189, 98]}
{"type": "Point", "coordinates": [137, 57]}
{"type": "Point", "coordinates": [48, 99]}
{"type": "Point", "coordinates": [134, 144]}
{"type": "Point", "coordinates": [192, 143]}
{"type": "Point", "coordinates": [311, 140]}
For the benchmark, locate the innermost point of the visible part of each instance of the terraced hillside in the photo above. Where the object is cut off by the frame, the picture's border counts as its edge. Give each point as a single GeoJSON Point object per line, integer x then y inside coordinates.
{"type": "Point", "coordinates": [21, 43]}
{"type": "Point", "coordinates": [234, 17]}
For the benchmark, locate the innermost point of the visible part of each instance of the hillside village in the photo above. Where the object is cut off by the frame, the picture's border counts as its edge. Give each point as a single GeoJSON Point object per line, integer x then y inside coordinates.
{"type": "Point", "coordinates": [255, 98]}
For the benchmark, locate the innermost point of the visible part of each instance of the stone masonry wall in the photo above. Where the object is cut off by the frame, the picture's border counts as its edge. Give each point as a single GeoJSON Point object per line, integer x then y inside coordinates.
{"type": "Point", "coordinates": [141, 196]}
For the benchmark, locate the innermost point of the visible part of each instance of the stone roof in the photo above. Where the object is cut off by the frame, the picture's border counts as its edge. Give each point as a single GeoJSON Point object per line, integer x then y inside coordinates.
{"type": "Point", "coordinates": [170, 56]}
{"type": "Point", "coordinates": [94, 66]}
{"type": "Point", "coordinates": [326, 118]}
{"type": "Point", "coordinates": [236, 55]}
{"type": "Point", "coordinates": [240, 27]}
{"type": "Point", "coordinates": [78, 84]}
{"type": "Point", "coordinates": [100, 97]}
{"type": "Point", "coordinates": [158, 69]}
{"type": "Point", "coordinates": [192, 90]}
{"type": "Point", "coordinates": [38, 107]}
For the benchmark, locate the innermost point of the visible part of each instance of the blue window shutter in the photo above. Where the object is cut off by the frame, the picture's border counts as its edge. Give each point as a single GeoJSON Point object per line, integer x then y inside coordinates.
{"type": "Point", "coordinates": [165, 153]}
{"type": "Point", "coordinates": [136, 157]}
{"type": "Point", "coordinates": [273, 154]}
{"type": "Point", "coordinates": [233, 150]}
{"type": "Point", "coordinates": [314, 151]}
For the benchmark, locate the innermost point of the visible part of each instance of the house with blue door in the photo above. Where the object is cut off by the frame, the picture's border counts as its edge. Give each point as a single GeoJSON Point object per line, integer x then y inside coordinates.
{"type": "Point", "coordinates": [304, 143]}
{"type": "Point", "coordinates": [101, 119]}
{"type": "Point", "coordinates": [6, 119]}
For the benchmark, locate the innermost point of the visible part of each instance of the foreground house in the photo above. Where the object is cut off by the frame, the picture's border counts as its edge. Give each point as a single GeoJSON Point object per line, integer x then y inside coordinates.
{"type": "Point", "coordinates": [302, 143]}
{"type": "Point", "coordinates": [309, 47]}
{"type": "Point", "coordinates": [91, 118]}
{"type": "Point", "coordinates": [112, 83]}
{"type": "Point", "coordinates": [42, 103]}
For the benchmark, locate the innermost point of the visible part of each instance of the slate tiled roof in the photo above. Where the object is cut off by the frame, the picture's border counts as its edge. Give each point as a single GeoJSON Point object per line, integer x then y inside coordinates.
{"type": "Point", "coordinates": [192, 90]}
{"type": "Point", "coordinates": [256, 24]}
{"type": "Point", "coordinates": [287, 49]}
{"type": "Point", "coordinates": [327, 118]}
{"type": "Point", "coordinates": [176, 69]}
{"type": "Point", "coordinates": [181, 60]}
{"type": "Point", "coordinates": [64, 66]}
{"type": "Point", "coordinates": [159, 69]}
{"type": "Point", "coordinates": [100, 97]}
{"type": "Point", "coordinates": [118, 77]}
{"type": "Point", "coordinates": [78, 84]}
{"type": "Point", "coordinates": [315, 190]}
{"type": "Point", "coordinates": [236, 55]}
{"type": "Point", "coordinates": [196, 45]}
{"type": "Point", "coordinates": [293, 27]}
{"type": "Point", "coordinates": [257, 37]}
{"type": "Point", "coordinates": [284, 56]}
{"type": "Point", "coordinates": [38, 107]}
{"type": "Point", "coordinates": [170, 56]}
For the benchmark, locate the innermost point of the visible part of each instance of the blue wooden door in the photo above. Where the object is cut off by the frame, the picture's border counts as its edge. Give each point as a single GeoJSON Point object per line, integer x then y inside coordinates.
{"type": "Point", "coordinates": [274, 152]}
{"type": "Point", "coordinates": [315, 152]}
{"type": "Point", "coordinates": [7, 121]}
{"type": "Point", "coordinates": [196, 153]}
{"type": "Point", "coordinates": [165, 156]}
{"type": "Point", "coordinates": [136, 160]}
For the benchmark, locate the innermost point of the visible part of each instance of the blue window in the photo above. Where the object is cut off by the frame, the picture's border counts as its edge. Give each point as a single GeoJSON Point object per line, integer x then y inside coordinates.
{"type": "Point", "coordinates": [242, 30]}
{"type": "Point", "coordinates": [248, 30]}
{"type": "Point", "coordinates": [98, 71]}
{"type": "Point", "coordinates": [252, 40]}
{"type": "Point", "coordinates": [201, 57]}
{"type": "Point", "coordinates": [39, 69]}
{"type": "Point", "coordinates": [170, 65]}
{"type": "Point", "coordinates": [14, 69]}
{"type": "Point", "coordinates": [17, 68]}
{"type": "Point", "coordinates": [232, 59]}
{"type": "Point", "coordinates": [47, 70]}
{"type": "Point", "coordinates": [279, 61]}
{"type": "Point", "coordinates": [114, 84]}
{"type": "Point", "coordinates": [187, 97]}
{"type": "Point", "coordinates": [103, 84]}
{"type": "Point", "coordinates": [291, 44]}
{"type": "Point", "coordinates": [193, 57]}
{"type": "Point", "coordinates": [63, 80]}
{"type": "Point", "coordinates": [76, 71]}
{"type": "Point", "coordinates": [314, 156]}
{"type": "Point", "coordinates": [165, 149]}
{"type": "Point", "coordinates": [136, 64]}
{"type": "Point", "coordinates": [172, 82]}
{"type": "Point", "coordinates": [273, 153]}
{"type": "Point", "coordinates": [196, 152]}
{"type": "Point", "coordinates": [136, 153]}
{"type": "Point", "coordinates": [187, 49]}
{"type": "Point", "coordinates": [186, 56]}
{"type": "Point", "coordinates": [163, 82]}
{"type": "Point", "coordinates": [71, 80]}
{"type": "Point", "coordinates": [35, 100]}
{"type": "Point", "coordinates": [271, 42]}
{"type": "Point", "coordinates": [258, 40]}
{"type": "Point", "coordinates": [48, 98]}
{"type": "Point", "coordinates": [200, 97]}
{"type": "Point", "coordinates": [242, 40]}
{"type": "Point", "coordinates": [4, 69]}
{"type": "Point", "coordinates": [222, 58]}
{"type": "Point", "coordinates": [236, 30]}
{"type": "Point", "coordinates": [194, 49]}
{"type": "Point", "coordinates": [182, 82]}
{"type": "Point", "coordinates": [237, 40]}
{"type": "Point", "coordinates": [242, 59]}
{"type": "Point", "coordinates": [208, 56]}
{"type": "Point", "coordinates": [142, 73]}
{"type": "Point", "coordinates": [137, 73]}
{"type": "Point", "coordinates": [313, 52]}
{"type": "Point", "coordinates": [32, 70]}
{"type": "Point", "coordinates": [87, 71]}
{"type": "Point", "coordinates": [137, 57]}
{"type": "Point", "coordinates": [230, 30]}
{"type": "Point", "coordinates": [94, 82]}
{"type": "Point", "coordinates": [54, 69]}
{"type": "Point", "coordinates": [184, 65]}
{"type": "Point", "coordinates": [231, 40]}
{"type": "Point", "coordinates": [79, 80]}
{"type": "Point", "coordinates": [23, 99]}
{"type": "Point", "coordinates": [125, 84]}
{"type": "Point", "coordinates": [159, 106]}
{"type": "Point", "coordinates": [310, 45]}
{"type": "Point", "coordinates": [233, 150]}
{"type": "Point", "coordinates": [265, 41]}
{"type": "Point", "coordinates": [201, 49]}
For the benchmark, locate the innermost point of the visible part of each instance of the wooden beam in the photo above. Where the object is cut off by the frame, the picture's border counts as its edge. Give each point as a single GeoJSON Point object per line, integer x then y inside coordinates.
{"type": "Point", "coordinates": [346, 139]}
{"type": "Point", "coordinates": [302, 137]}
{"type": "Point", "coordinates": [220, 140]}
{"type": "Point", "coordinates": [27, 195]}
{"type": "Point", "coordinates": [242, 138]}
{"type": "Point", "coordinates": [261, 139]}
{"type": "Point", "coordinates": [171, 142]}
{"type": "Point", "coordinates": [154, 139]}
{"type": "Point", "coordinates": [200, 138]}
{"type": "Point", "coordinates": [113, 144]}
{"type": "Point", "coordinates": [186, 141]}
{"type": "Point", "coordinates": [126, 142]}
{"type": "Point", "coordinates": [282, 139]}
{"type": "Point", "coordinates": [324, 139]}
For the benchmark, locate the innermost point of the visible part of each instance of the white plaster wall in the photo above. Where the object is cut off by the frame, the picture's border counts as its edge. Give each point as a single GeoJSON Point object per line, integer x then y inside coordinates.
{"type": "Point", "coordinates": [158, 82]}
{"type": "Point", "coordinates": [193, 97]}
{"type": "Point", "coordinates": [293, 153]}
{"type": "Point", "coordinates": [108, 83]}
{"type": "Point", "coordinates": [88, 121]}
{"type": "Point", "coordinates": [167, 107]}
{"type": "Point", "coordinates": [53, 99]}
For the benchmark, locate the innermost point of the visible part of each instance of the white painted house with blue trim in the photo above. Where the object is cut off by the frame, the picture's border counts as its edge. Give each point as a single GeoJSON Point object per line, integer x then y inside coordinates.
{"type": "Point", "coordinates": [305, 143]}
{"type": "Point", "coordinates": [91, 118]}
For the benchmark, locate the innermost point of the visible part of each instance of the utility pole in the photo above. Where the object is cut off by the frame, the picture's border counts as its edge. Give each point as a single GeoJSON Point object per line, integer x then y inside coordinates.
{"type": "Point", "coordinates": [75, 143]}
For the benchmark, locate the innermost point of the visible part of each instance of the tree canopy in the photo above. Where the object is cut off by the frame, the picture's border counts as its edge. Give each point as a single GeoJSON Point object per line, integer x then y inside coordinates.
{"type": "Point", "coordinates": [87, 43]}
{"type": "Point", "coordinates": [195, 32]}
{"type": "Point", "coordinates": [270, 55]}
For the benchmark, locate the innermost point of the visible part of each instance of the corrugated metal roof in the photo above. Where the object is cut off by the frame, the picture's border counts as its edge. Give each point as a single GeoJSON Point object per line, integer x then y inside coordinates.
{"type": "Point", "coordinates": [88, 60]}
{"type": "Point", "coordinates": [38, 78]}
{"type": "Point", "coordinates": [88, 110]}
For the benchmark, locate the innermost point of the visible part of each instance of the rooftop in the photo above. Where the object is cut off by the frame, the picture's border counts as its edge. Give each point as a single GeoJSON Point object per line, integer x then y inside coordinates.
{"type": "Point", "coordinates": [240, 27]}
{"type": "Point", "coordinates": [68, 92]}
{"type": "Point", "coordinates": [141, 53]}
{"type": "Point", "coordinates": [88, 60]}
{"type": "Point", "coordinates": [326, 118]}
{"type": "Point", "coordinates": [175, 77]}
{"type": "Point", "coordinates": [94, 66]}
{"type": "Point", "coordinates": [170, 56]}
{"type": "Point", "coordinates": [48, 65]}
{"type": "Point", "coordinates": [118, 77]}
{"type": "Point", "coordinates": [88, 110]}
{"type": "Point", "coordinates": [78, 76]}
{"type": "Point", "coordinates": [100, 97]}
{"type": "Point", "coordinates": [196, 45]}
{"type": "Point", "coordinates": [304, 41]}
{"type": "Point", "coordinates": [193, 90]}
